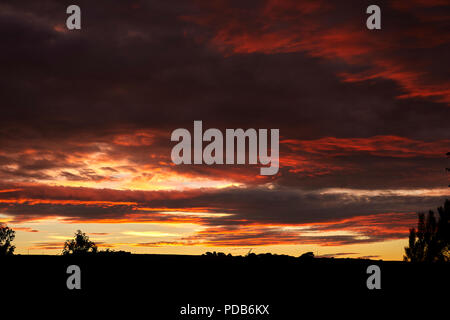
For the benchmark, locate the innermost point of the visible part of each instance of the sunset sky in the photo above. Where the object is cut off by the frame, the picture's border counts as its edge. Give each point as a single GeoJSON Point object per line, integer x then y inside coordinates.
{"type": "Point", "coordinates": [86, 119]}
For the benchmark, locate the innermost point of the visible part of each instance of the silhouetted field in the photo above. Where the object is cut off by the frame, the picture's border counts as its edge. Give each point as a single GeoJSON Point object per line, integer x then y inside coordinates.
{"type": "Point", "coordinates": [161, 284]}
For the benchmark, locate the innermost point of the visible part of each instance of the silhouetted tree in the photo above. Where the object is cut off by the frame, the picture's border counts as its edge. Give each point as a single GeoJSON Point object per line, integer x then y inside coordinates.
{"type": "Point", "coordinates": [79, 245]}
{"type": "Point", "coordinates": [431, 241]}
{"type": "Point", "coordinates": [308, 256]}
{"type": "Point", "coordinates": [7, 236]}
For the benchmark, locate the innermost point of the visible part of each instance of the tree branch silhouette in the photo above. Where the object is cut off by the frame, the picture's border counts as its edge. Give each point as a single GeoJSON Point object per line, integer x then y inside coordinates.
{"type": "Point", "coordinates": [7, 236]}
{"type": "Point", "coordinates": [79, 245]}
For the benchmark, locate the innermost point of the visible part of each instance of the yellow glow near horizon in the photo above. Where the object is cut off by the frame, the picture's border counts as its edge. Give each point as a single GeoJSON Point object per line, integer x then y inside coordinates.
{"type": "Point", "coordinates": [52, 232]}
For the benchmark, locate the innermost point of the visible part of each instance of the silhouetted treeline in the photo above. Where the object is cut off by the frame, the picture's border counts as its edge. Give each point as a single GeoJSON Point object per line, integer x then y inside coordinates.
{"type": "Point", "coordinates": [81, 245]}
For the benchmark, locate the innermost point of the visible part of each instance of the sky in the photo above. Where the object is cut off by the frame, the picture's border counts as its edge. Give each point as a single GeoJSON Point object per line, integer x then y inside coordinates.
{"type": "Point", "coordinates": [87, 115]}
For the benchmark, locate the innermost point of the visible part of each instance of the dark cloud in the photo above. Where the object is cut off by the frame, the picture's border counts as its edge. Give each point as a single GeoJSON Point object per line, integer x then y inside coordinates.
{"type": "Point", "coordinates": [369, 257]}
{"type": "Point", "coordinates": [48, 245]}
{"type": "Point", "coordinates": [144, 67]}
{"type": "Point", "coordinates": [254, 205]}
{"type": "Point", "coordinates": [59, 245]}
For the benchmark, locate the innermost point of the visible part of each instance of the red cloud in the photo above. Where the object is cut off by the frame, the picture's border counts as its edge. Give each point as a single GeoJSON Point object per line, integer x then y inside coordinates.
{"type": "Point", "coordinates": [335, 31]}
{"type": "Point", "coordinates": [387, 146]}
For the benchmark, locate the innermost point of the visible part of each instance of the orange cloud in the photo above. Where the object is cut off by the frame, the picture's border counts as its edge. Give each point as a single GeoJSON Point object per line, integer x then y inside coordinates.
{"type": "Point", "coordinates": [139, 138]}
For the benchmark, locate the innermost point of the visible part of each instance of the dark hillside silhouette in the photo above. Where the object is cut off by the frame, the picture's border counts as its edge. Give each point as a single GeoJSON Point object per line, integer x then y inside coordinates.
{"type": "Point", "coordinates": [158, 285]}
